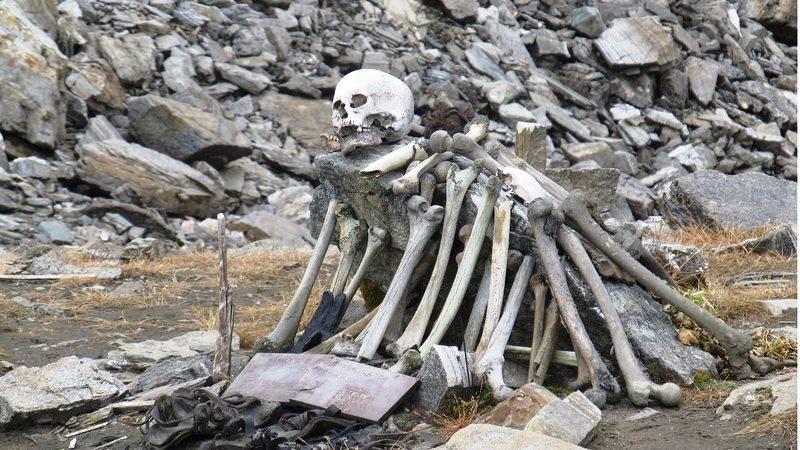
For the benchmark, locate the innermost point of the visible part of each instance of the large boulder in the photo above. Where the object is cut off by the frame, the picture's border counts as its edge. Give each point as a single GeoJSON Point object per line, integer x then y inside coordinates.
{"type": "Point", "coordinates": [132, 56]}
{"type": "Point", "coordinates": [748, 200]}
{"type": "Point", "coordinates": [306, 118]}
{"type": "Point", "coordinates": [780, 16]}
{"type": "Point", "coordinates": [30, 78]}
{"type": "Point", "coordinates": [133, 173]}
{"type": "Point", "coordinates": [55, 392]}
{"type": "Point", "coordinates": [185, 132]}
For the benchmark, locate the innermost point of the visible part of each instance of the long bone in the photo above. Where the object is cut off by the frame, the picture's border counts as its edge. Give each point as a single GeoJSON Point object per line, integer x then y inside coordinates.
{"type": "Point", "coordinates": [552, 329]}
{"type": "Point", "coordinates": [376, 239]}
{"type": "Point", "coordinates": [490, 364]}
{"type": "Point", "coordinates": [499, 263]}
{"type": "Point", "coordinates": [603, 383]}
{"type": "Point", "coordinates": [396, 159]}
{"type": "Point", "coordinates": [474, 325]}
{"type": "Point", "coordinates": [423, 220]}
{"type": "Point", "coordinates": [458, 183]}
{"type": "Point", "coordinates": [351, 233]}
{"type": "Point", "coordinates": [465, 268]}
{"type": "Point", "coordinates": [282, 337]}
{"type": "Point", "coordinates": [409, 183]}
{"type": "Point", "coordinates": [539, 288]}
{"type": "Point", "coordinates": [427, 186]}
{"type": "Point", "coordinates": [736, 343]}
{"type": "Point", "coordinates": [640, 388]}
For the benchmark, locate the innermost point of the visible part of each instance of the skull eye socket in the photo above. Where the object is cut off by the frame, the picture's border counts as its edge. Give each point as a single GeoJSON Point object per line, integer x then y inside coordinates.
{"type": "Point", "coordinates": [358, 100]}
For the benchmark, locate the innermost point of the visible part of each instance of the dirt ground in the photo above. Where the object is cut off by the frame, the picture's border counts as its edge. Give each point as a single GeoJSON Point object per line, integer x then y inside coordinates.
{"type": "Point", "coordinates": [83, 318]}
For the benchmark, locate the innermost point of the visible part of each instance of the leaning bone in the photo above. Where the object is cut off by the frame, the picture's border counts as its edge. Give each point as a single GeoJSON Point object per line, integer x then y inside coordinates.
{"type": "Point", "coordinates": [424, 220]}
{"type": "Point", "coordinates": [396, 159]}
{"type": "Point", "coordinates": [539, 288]}
{"type": "Point", "coordinates": [544, 354]}
{"type": "Point", "coordinates": [490, 364]}
{"type": "Point", "coordinates": [458, 182]}
{"type": "Point", "coordinates": [427, 187]}
{"type": "Point", "coordinates": [420, 273]}
{"type": "Point", "coordinates": [736, 343]}
{"type": "Point", "coordinates": [443, 170]}
{"type": "Point", "coordinates": [409, 183]}
{"type": "Point", "coordinates": [603, 383]}
{"type": "Point", "coordinates": [351, 233]}
{"type": "Point", "coordinates": [499, 264]}
{"type": "Point", "coordinates": [376, 239]}
{"type": "Point", "coordinates": [476, 315]}
{"type": "Point", "coordinates": [466, 267]}
{"type": "Point", "coordinates": [282, 338]}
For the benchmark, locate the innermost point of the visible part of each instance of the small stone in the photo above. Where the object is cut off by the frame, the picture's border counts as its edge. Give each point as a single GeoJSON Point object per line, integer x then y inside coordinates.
{"type": "Point", "coordinates": [251, 82]}
{"type": "Point", "coordinates": [443, 378]}
{"type": "Point", "coordinates": [132, 57]}
{"type": "Point", "coordinates": [512, 113]}
{"type": "Point", "coordinates": [587, 21]}
{"type": "Point", "coordinates": [461, 9]}
{"type": "Point", "coordinates": [694, 157]}
{"type": "Point", "coordinates": [702, 78]}
{"type": "Point", "coordinates": [484, 436]}
{"type": "Point", "coordinates": [599, 152]}
{"type": "Point", "coordinates": [779, 307]}
{"type": "Point", "coordinates": [637, 42]}
{"type": "Point", "coordinates": [31, 167]}
{"type": "Point", "coordinates": [516, 411]}
{"type": "Point", "coordinates": [57, 232]}
{"type": "Point", "coordinates": [643, 414]}
{"type": "Point", "coordinates": [574, 420]}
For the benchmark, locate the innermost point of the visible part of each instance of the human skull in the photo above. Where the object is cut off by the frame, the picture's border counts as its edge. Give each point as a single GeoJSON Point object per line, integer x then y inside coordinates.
{"type": "Point", "coordinates": [371, 107]}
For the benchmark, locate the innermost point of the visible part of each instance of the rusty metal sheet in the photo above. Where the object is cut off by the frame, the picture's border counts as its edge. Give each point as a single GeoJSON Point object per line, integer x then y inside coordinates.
{"type": "Point", "coordinates": [358, 390]}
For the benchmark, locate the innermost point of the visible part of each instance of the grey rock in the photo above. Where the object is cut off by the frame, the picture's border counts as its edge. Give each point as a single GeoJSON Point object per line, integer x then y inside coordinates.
{"type": "Point", "coordinates": [280, 40]}
{"type": "Point", "coordinates": [637, 42]}
{"type": "Point", "coordinates": [94, 81]}
{"type": "Point", "coordinates": [178, 72]}
{"type": "Point", "coordinates": [485, 436]}
{"type": "Point", "coordinates": [548, 44]}
{"type": "Point", "coordinates": [33, 67]}
{"type": "Point", "coordinates": [702, 78]}
{"type": "Point", "coordinates": [778, 307]}
{"type": "Point", "coordinates": [99, 129]}
{"type": "Point", "coordinates": [694, 157]}
{"type": "Point", "coordinates": [292, 202]}
{"type": "Point", "coordinates": [176, 370]}
{"type": "Point", "coordinates": [140, 355]}
{"type": "Point", "coordinates": [461, 9]}
{"type": "Point", "coordinates": [133, 57]}
{"type": "Point", "coordinates": [574, 419]}
{"type": "Point", "coordinates": [640, 198]}
{"type": "Point", "coordinates": [278, 231]}
{"type": "Point", "coordinates": [598, 185]}
{"type": "Point", "coordinates": [650, 331]}
{"type": "Point", "coordinates": [305, 118]}
{"type": "Point", "coordinates": [512, 113]}
{"type": "Point", "coordinates": [517, 410]}
{"type": "Point", "coordinates": [501, 92]}
{"type": "Point", "coordinates": [185, 132]}
{"type": "Point", "coordinates": [745, 201]}
{"type": "Point", "coordinates": [135, 173]}
{"type": "Point", "coordinates": [780, 16]}
{"type": "Point", "coordinates": [57, 232]}
{"type": "Point", "coordinates": [443, 378]}
{"type": "Point", "coordinates": [599, 152]}
{"type": "Point", "coordinates": [31, 167]}
{"type": "Point", "coordinates": [778, 393]}
{"type": "Point", "coordinates": [251, 82]}
{"type": "Point", "coordinates": [55, 392]}
{"type": "Point", "coordinates": [43, 13]}
{"type": "Point", "coordinates": [587, 21]}
{"type": "Point", "coordinates": [782, 240]}
{"type": "Point", "coordinates": [683, 262]}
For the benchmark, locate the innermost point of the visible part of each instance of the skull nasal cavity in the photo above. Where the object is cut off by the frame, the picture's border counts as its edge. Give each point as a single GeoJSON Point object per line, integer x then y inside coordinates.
{"type": "Point", "coordinates": [358, 100]}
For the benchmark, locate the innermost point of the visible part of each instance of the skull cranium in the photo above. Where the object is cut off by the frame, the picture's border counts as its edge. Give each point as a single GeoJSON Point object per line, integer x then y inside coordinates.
{"type": "Point", "coordinates": [371, 107]}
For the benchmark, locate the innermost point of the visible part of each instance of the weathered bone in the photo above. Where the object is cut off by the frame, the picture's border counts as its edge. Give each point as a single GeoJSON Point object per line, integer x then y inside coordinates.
{"type": "Point", "coordinates": [439, 142]}
{"type": "Point", "coordinates": [603, 383]}
{"type": "Point", "coordinates": [396, 159]}
{"type": "Point", "coordinates": [539, 288]}
{"type": "Point", "coordinates": [443, 170]}
{"type": "Point", "coordinates": [639, 386]}
{"type": "Point", "coordinates": [490, 364]}
{"type": "Point", "coordinates": [561, 357]}
{"type": "Point", "coordinates": [351, 233]}
{"type": "Point", "coordinates": [408, 362]}
{"type": "Point", "coordinates": [552, 329]}
{"type": "Point", "coordinates": [282, 337]}
{"type": "Point", "coordinates": [409, 183]}
{"type": "Point", "coordinates": [424, 220]}
{"type": "Point", "coordinates": [376, 239]}
{"type": "Point", "coordinates": [477, 128]}
{"type": "Point", "coordinates": [736, 343]}
{"type": "Point", "coordinates": [499, 263]}
{"type": "Point", "coordinates": [457, 184]}
{"type": "Point", "coordinates": [427, 186]}
{"type": "Point", "coordinates": [466, 267]}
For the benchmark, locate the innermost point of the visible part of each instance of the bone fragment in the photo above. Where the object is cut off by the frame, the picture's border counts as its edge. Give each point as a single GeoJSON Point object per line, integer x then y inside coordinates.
{"type": "Point", "coordinates": [476, 129]}
{"type": "Point", "coordinates": [410, 361]}
{"type": "Point", "coordinates": [499, 263]}
{"type": "Point", "coordinates": [443, 170]}
{"type": "Point", "coordinates": [490, 364]}
{"type": "Point", "coordinates": [427, 187]}
{"type": "Point", "coordinates": [409, 183]}
{"type": "Point", "coordinates": [351, 233]}
{"type": "Point", "coordinates": [539, 288]}
{"type": "Point", "coordinates": [282, 338]}
{"type": "Point", "coordinates": [457, 184]}
{"type": "Point", "coordinates": [395, 160]}
{"type": "Point", "coordinates": [424, 220]}
{"type": "Point", "coordinates": [465, 269]}
{"type": "Point", "coordinates": [376, 239]}
{"type": "Point", "coordinates": [603, 383]}
{"type": "Point", "coordinates": [439, 142]}
{"type": "Point", "coordinates": [222, 354]}
{"type": "Point", "coordinates": [736, 343]}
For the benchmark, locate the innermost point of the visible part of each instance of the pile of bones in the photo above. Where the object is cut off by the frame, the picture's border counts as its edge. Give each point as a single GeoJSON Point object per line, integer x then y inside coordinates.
{"type": "Point", "coordinates": [372, 108]}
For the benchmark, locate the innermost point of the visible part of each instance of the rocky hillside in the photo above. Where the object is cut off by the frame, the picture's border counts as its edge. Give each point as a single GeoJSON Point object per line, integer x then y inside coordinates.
{"type": "Point", "coordinates": [135, 120]}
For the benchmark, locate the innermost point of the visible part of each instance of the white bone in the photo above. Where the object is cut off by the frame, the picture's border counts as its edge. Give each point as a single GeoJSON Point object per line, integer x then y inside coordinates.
{"type": "Point", "coordinates": [423, 221]}
{"type": "Point", "coordinates": [473, 329]}
{"type": "Point", "coordinates": [409, 183]}
{"type": "Point", "coordinates": [427, 186]}
{"type": "Point", "coordinates": [376, 238]}
{"type": "Point", "coordinates": [396, 159]}
{"type": "Point", "coordinates": [466, 267]}
{"type": "Point", "coordinates": [539, 288]}
{"type": "Point", "coordinates": [351, 233]}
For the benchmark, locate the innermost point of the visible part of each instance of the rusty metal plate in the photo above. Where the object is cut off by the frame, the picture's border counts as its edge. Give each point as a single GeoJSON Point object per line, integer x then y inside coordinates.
{"type": "Point", "coordinates": [358, 390]}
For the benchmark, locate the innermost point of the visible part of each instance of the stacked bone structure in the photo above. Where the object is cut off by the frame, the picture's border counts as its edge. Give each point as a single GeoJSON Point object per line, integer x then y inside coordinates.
{"type": "Point", "coordinates": [372, 108]}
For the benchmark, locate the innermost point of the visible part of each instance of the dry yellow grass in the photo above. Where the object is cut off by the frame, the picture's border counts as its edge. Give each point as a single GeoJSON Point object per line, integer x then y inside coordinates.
{"type": "Point", "coordinates": [732, 302]}
{"type": "Point", "coordinates": [781, 425]}
{"type": "Point", "coordinates": [706, 390]}
{"type": "Point", "coordinates": [464, 413]}
{"type": "Point", "coordinates": [776, 346]}
{"type": "Point", "coordinates": [9, 309]}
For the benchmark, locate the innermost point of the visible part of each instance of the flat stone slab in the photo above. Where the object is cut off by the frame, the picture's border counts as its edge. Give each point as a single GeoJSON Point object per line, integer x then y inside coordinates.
{"type": "Point", "coordinates": [517, 410]}
{"type": "Point", "coordinates": [485, 437]}
{"type": "Point", "coordinates": [358, 390]}
{"type": "Point", "coordinates": [779, 393]}
{"type": "Point", "coordinates": [779, 307]}
{"type": "Point", "coordinates": [55, 392]}
{"type": "Point", "coordinates": [637, 42]}
{"type": "Point", "coordinates": [146, 353]}
{"type": "Point", "coordinates": [574, 419]}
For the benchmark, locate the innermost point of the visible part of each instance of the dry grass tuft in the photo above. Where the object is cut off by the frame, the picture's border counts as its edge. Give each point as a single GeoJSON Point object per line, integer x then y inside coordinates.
{"type": "Point", "coordinates": [781, 425]}
{"type": "Point", "coordinates": [9, 309]}
{"type": "Point", "coordinates": [706, 390]}
{"type": "Point", "coordinates": [772, 345]}
{"type": "Point", "coordinates": [714, 292]}
{"type": "Point", "coordinates": [462, 414]}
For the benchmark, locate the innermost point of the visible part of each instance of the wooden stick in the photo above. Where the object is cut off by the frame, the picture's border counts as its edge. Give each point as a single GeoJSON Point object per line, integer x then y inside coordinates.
{"type": "Point", "coordinates": [222, 355]}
